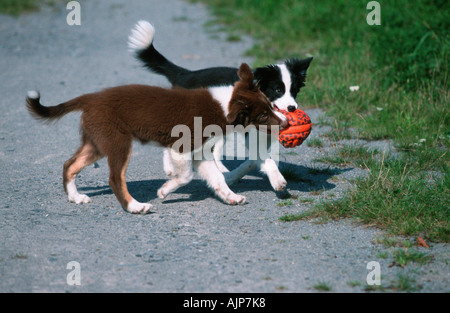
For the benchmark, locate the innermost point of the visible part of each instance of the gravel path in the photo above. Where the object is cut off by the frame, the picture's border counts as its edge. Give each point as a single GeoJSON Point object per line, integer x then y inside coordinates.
{"type": "Point", "coordinates": [193, 242]}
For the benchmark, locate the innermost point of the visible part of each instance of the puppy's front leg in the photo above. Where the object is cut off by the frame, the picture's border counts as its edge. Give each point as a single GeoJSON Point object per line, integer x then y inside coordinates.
{"type": "Point", "coordinates": [208, 170]}
{"type": "Point", "coordinates": [182, 171]}
{"type": "Point", "coordinates": [218, 155]}
{"type": "Point", "coordinates": [118, 163]}
{"type": "Point", "coordinates": [263, 162]}
{"type": "Point", "coordinates": [167, 164]}
{"type": "Point", "coordinates": [270, 168]}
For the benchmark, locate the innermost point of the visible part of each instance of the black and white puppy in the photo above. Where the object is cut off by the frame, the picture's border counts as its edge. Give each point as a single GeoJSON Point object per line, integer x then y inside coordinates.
{"type": "Point", "coordinates": [279, 82]}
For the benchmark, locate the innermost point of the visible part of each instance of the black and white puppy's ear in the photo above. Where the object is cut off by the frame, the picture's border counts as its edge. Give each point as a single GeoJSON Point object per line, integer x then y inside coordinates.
{"type": "Point", "coordinates": [298, 67]}
{"type": "Point", "coordinates": [264, 76]}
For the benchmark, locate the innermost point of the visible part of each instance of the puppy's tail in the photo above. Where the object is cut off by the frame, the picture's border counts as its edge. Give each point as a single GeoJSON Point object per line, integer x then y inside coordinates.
{"type": "Point", "coordinates": [140, 42]}
{"type": "Point", "coordinates": [50, 113]}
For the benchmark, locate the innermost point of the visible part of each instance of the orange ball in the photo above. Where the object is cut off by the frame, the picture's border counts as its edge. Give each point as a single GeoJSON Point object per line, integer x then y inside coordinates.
{"type": "Point", "coordinates": [298, 130]}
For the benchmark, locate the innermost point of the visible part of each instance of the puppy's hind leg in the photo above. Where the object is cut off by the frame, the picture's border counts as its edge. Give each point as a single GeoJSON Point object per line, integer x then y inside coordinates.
{"type": "Point", "coordinates": [86, 155]}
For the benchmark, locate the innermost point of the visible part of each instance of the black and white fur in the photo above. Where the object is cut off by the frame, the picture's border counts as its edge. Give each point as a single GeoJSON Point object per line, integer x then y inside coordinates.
{"type": "Point", "coordinates": [279, 82]}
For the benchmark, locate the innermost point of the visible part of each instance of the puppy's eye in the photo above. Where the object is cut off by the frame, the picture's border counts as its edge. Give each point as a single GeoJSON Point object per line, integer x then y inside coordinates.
{"type": "Point", "coordinates": [263, 117]}
{"type": "Point", "coordinates": [278, 91]}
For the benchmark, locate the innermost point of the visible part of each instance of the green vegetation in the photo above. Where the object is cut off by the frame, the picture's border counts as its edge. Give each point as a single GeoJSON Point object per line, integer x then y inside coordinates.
{"type": "Point", "coordinates": [286, 202]}
{"type": "Point", "coordinates": [314, 142]}
{"type": "Point", "coordinates": [405, 283]}
{"type": "Point", "coordinates": [404, 256]}
{"type": "Point", "coordinates": [401, 68]}
{"type": "Point", "coordinates": [396, 197]}
{"type": "Point", "coordinates": [322, 286]}
{"type": "Point", "coordinates": [15, 7]}
{"type": "Point", "coordinates": [350, 154]}
{"type": "Point", "coordinates": [292, 217]}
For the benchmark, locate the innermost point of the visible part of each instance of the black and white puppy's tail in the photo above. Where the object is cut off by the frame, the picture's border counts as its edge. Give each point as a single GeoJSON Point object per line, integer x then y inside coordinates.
{"type": "Point", "coordinates": [140, 42]}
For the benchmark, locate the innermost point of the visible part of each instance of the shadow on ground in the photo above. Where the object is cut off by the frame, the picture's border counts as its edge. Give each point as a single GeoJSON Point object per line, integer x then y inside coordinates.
{"type": "Point", "coordinates": [300, 178]}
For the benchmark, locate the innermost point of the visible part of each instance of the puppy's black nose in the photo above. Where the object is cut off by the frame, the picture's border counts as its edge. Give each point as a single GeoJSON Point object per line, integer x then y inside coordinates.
{"type": "Point", "coordinates": [291, 108]}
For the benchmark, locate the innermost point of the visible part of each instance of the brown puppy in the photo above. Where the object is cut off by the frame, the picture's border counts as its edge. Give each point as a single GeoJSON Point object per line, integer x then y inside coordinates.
{"type": "Point", "coordinates": [112, 118]}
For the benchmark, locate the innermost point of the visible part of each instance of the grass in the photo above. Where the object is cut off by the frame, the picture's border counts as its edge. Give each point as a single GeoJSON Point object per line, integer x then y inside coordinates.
{"type": "Point", "coordinates": [322, 286]}
{"type": "Point", "coordinates": [389, 242]}
{"type": "Point", "coordinates": [315, 142]}
{"type": "Point", "coordinates": [396, 197]}
{"type": "Point", "coordinates": [292, 217]}
{"type": "Point", "coordinates": [404, 256]}
{"type": "Point", "coordinates": [405, 283]}
{"type": "Point", "coordinates": [350, 154]}
{"type": "Point", "coordinates": [401, 68]}
{"type": "Point", "coordinates": [15, 7]}
{"type": "Point", "coordinates": [284, 203]}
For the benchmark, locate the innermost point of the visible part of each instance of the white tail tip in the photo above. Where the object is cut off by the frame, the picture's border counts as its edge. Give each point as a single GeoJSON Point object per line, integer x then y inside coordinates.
{"type": "Point", "coordinates": [33, 94]}
{"type": "Point", "coordinates": [141, 36]}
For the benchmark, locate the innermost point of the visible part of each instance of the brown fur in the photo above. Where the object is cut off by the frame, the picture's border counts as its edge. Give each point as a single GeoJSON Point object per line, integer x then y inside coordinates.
{"type": "Point", "coordinates": [112, 118]}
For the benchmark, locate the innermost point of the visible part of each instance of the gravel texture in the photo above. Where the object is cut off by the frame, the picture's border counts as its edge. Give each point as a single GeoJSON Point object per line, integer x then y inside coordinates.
{"type": "Point", "coordinates": [192, 242]}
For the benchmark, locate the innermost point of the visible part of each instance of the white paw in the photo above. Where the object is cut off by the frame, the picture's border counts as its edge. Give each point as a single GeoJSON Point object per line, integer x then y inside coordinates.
{"type": "Point", "coordinates": [136, 207]}
{"type": "Point", "coordinates": [162, 193]}
{"type": "Point", "coordinates": [270, 168]}
{"type": "Point", "coordinates": [79, 198]}
{"type": "Point", "coordinates": [278, 182]}
{"type": "Point", "coordinates": [235, 199]}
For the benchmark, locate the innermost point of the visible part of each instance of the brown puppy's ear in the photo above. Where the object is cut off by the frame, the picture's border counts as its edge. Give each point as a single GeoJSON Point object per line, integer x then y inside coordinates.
{"type": "Point", "coordinates": [238, 114]}
{"type": "Point", "coordinates": [238, 118]}
{"type": "Point", "coordinates": [245, 74]}
{"type": "Point", "coordinates": [239, 106]}
{"type": "Point", "coordinates": [231, 117]}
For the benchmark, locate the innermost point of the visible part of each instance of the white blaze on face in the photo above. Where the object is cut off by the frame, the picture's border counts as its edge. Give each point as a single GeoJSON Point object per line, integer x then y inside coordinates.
{"type": "Point", "coordinates": [286, 100]}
